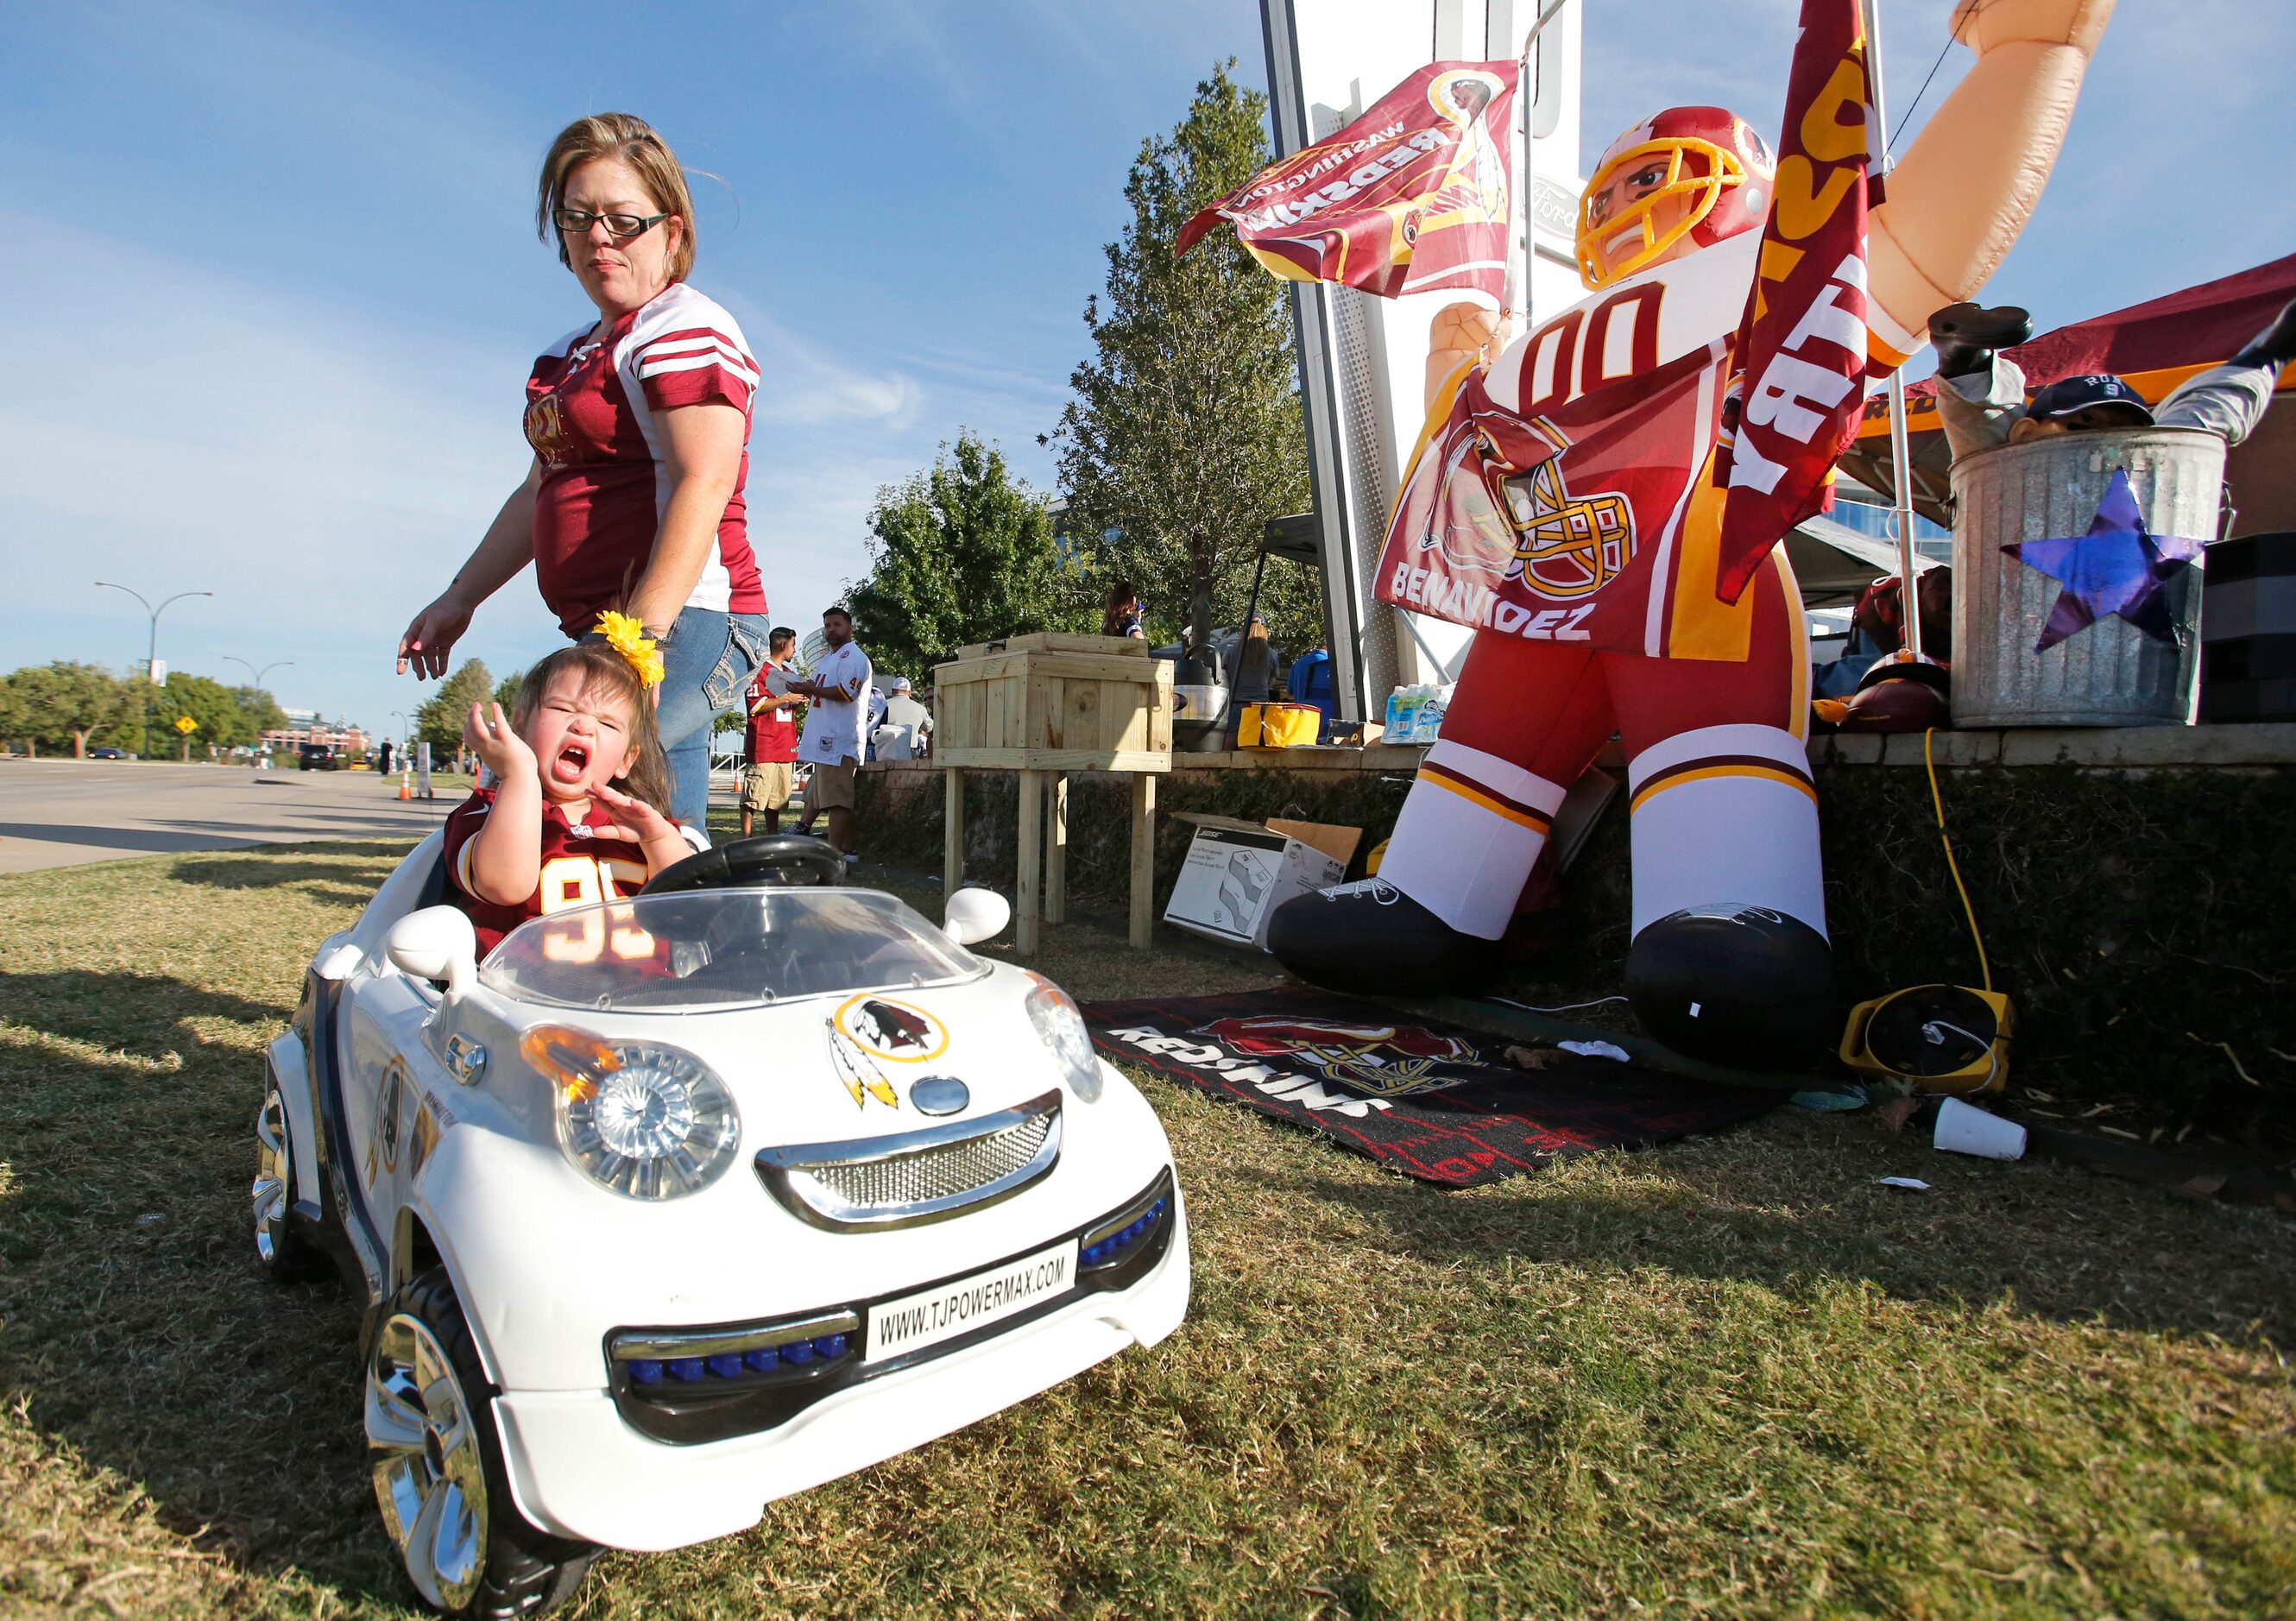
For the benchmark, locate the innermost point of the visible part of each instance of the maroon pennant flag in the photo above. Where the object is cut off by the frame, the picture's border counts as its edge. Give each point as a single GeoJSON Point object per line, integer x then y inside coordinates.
{"type": "Point", "coordinates": [1805, 348]}
{"type": "Point", "coordinates": [1412, 196]}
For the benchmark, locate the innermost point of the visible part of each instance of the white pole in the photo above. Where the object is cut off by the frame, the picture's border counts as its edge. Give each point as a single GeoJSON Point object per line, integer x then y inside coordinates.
{"type": "Point", "coordinates": [1901, 460]}
{"type": "Point", "coordinates": [1516, 298]}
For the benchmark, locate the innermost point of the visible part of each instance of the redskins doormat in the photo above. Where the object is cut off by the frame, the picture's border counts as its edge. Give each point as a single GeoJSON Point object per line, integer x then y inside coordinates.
{"type": "Point", "coordinates": [1433, 1100]}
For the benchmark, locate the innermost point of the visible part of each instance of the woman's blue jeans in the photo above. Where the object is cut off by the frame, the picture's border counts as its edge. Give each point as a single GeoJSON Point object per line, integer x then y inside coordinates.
{"type": "Point", "coordinates": [707, 660]}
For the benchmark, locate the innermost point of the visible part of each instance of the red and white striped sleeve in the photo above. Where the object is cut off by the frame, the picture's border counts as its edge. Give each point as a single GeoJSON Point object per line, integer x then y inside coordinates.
{"type": "Point", "coordinates": [694, 365]}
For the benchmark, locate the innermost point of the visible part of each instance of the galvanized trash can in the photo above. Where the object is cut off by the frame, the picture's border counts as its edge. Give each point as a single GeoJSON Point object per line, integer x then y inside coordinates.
{"type": "Point", "coordinates": [2111, 673]}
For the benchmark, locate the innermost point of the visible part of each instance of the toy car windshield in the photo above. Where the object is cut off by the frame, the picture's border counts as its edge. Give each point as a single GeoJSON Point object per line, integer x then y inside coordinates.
{"type": "Point", "coordinates": [723, 948]}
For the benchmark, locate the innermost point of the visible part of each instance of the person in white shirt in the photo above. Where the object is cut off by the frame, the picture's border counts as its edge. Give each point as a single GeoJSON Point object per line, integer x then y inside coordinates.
{"type": "Point", "coordinates": [876, 719]}
{"type": "Point", "coordinates": [833, 741]}
{"type": "Point", "coordinates": [907, 724]}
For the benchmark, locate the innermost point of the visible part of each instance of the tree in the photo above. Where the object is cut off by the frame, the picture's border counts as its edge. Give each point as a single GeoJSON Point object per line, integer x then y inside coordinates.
{"type": "Point", "coordinates": [15, 714]}
{"type": "Point", "coordinates": [506, 692]}
{"type": "Point", "coordinates": [962, 552]}
{"type": "Point", "coordinates": [222, 721]}
{"type": "Point", "coordinates": [1184, 436]}
{"type": "Point", "coordinates": [439, 723]}
{"type": "Point", "coordinates": [59, 704]}
{"type": "Point", "coordinates": [262, 710]}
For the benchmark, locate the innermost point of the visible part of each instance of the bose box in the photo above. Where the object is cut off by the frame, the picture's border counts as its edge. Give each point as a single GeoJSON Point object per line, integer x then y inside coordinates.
{"type": "Point", "coordinates": [1237, 873]}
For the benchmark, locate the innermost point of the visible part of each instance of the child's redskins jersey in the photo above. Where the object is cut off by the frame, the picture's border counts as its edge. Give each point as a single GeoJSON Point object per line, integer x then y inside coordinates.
{"type": "Point", "coordinates": [1564, 496]}
{"type": "Point", "coordinates": [578, 869]}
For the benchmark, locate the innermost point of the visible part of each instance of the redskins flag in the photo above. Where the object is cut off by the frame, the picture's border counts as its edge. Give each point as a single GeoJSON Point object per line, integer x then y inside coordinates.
{"type": "Point", "coordinates": [1805, 349]}
{"type": "Point", "coordinates": [1412, 196]}
{"type": "Point", "coordinates": [1566, 526]}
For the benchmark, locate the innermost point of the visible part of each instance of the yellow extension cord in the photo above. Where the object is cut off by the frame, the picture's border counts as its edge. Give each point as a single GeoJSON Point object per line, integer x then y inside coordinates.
{"type": "Point", "coordinates": [1953, 867]}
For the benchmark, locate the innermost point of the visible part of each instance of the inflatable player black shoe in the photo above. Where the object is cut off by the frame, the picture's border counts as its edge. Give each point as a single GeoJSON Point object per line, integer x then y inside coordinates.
{"type": "Point", "coordinates": [1966, 336]}
{"type": "Point", "coordinates": [1370, 936]}
{"type": "Point", "coordinates": [1734, 984]}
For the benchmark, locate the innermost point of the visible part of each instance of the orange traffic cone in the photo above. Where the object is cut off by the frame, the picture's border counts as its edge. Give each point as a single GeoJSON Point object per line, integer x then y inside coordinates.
{"type": "Point", "coordinates": [405, 785]}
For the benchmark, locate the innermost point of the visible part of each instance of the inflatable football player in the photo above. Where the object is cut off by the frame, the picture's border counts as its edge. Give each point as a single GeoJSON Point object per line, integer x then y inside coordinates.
{"type": "Point", "coordinates": [1729, 957]}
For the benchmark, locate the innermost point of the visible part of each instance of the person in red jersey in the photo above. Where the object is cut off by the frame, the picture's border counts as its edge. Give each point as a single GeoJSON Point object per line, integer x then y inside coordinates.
{"type": "Point", "coordinates": [573, 818]}
{"type": "Point", "coordinates": [770, 751]}
{"type": "Point", "coordinates": [639, 422]}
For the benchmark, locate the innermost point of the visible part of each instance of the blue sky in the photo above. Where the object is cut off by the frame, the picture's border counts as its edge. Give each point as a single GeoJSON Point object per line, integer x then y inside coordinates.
{"type": "Point", "coordinates": [274, 285]}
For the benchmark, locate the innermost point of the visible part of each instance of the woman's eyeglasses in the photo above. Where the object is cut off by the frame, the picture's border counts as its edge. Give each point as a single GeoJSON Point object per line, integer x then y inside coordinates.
{"type": "Point", "coordinates": [577, 222]}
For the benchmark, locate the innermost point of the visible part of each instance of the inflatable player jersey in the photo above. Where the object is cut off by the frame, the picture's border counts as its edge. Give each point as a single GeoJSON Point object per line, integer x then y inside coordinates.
{"type": "Point", "coordinates": [1568, 501]}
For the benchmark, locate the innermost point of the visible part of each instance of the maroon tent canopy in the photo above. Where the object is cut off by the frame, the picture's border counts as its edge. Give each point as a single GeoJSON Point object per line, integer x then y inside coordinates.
{"type": "Point", "coordinates": [2153, 346]}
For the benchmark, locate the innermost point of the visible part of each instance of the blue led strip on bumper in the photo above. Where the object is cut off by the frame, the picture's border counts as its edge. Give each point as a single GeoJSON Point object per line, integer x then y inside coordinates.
{"type": "Point", "coordinates": [672, 1384]}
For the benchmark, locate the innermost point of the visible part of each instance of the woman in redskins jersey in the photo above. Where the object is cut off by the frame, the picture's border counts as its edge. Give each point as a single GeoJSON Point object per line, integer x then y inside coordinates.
{"type": "Point", "coordinates": [639, 421]}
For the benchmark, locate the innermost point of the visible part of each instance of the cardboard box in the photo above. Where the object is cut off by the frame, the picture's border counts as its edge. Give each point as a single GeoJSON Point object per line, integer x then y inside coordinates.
{"type": "Point", "coordinates": [1237, 873]}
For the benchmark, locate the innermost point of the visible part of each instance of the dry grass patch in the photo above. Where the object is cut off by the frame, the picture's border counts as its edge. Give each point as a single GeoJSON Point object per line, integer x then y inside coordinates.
{"type": "Point", "coordinates": [1729, 1377]}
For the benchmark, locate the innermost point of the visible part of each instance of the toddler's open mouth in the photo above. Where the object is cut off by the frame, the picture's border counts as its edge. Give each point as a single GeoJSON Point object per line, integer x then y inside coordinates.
{"type": "Point", "coordinates": [572, 761]}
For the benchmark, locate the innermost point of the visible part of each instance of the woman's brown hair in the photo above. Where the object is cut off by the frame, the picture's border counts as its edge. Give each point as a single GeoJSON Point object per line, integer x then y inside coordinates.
{"type": "Point", "coordinates": [627, 138]}
{"type": "Point", "coordinates": [603, 669]}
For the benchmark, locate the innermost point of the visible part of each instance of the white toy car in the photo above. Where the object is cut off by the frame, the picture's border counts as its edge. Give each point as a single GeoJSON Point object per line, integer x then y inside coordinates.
{"type": "Point", "coordinates": [685, 1202]}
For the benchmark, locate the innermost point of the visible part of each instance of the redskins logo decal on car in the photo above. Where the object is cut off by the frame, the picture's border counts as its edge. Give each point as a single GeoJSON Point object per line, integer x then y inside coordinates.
{"type": "Point", "coordinates": [1384, 1060]}
{"type": "Point", "coordinates": [893, 1030]}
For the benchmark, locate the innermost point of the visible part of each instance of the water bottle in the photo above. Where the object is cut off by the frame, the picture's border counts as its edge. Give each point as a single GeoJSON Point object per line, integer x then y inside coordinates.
{"type": "Point", "coordinates": [1402, 712]}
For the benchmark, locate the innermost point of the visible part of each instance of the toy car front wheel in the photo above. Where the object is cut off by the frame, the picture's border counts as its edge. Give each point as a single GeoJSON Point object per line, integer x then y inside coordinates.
{"type": "Point", "coordinates": [435, 1457]}
{"type": "Point", "coordinates": [285, 1254]}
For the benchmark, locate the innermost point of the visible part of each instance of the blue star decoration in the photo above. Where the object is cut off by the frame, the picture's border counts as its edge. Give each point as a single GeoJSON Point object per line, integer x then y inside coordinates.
{"type": "Point", "coordinates": [2118, 567]}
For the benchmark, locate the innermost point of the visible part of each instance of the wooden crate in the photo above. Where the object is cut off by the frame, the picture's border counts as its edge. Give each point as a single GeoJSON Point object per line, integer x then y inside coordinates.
{"type": "Point", "coordinates": [1055, 702]}
{"type": "Point", "coordinates": [1057, 641]}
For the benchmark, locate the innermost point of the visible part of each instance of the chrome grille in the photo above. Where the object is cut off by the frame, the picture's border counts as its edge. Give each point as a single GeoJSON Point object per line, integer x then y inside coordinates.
{"type": "Point", "coordinates": [937, 1172]}
{"type": "Point", "coordinates": [917, 1176]}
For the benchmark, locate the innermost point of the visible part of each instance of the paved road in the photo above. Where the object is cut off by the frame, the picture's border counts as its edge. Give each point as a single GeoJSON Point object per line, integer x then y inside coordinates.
{"type": "Point", "coordinates": [57, 813]}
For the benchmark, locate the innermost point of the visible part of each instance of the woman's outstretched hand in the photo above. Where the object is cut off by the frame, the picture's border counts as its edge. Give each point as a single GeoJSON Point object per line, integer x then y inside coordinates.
{"type": "Point", "coordinates": [495, 741]}
{"type": "Point", "coordinates": [432, 636]}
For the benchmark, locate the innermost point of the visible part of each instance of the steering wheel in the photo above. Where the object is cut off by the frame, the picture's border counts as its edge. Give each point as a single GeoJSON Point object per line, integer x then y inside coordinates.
{"type": "Point", "coordinates": [775, 861]}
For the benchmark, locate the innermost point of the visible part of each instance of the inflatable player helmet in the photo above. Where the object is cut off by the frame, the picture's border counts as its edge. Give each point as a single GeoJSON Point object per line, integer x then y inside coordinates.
{"type": "Point", "coordinates": [1710, 177]}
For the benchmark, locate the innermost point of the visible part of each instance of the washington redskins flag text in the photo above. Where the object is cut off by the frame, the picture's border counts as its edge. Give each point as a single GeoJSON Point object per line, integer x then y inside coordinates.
{"type": "Point", "coordinates": [1412, 196]}
{"type": "Point", "coordinates": [1805, 348]}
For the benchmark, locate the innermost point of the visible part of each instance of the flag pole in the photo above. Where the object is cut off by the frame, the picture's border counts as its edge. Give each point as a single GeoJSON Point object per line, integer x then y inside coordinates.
{"type": "Point", "coordinates": [1900, 453]}
{"type": "Point", "coordinates": [1518, 282]}
{"type": "Point", "coordinates": [1532, 38]}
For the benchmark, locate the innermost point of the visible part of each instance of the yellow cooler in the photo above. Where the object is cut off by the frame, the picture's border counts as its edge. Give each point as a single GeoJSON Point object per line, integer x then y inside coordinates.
{"type": "Point", "coordinates": [1278, 726]}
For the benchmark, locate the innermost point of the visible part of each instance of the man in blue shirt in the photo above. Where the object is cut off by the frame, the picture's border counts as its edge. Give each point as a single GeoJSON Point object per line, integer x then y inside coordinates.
{"type": "Point", "coordinates": [1311, 683]}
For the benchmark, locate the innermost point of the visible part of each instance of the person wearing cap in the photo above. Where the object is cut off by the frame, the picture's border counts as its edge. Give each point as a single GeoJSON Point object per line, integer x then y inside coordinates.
{"type": "Point", "coordinates": [902, 733]}
{"type": "Point", "coordinates": [1982, 392]}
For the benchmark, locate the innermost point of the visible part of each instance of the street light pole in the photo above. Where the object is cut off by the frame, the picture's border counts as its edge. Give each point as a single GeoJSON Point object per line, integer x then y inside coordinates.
{"type": "Point", "coordinates": [152, 653]}
{"type": "Point", "coordinates": [280, 664]}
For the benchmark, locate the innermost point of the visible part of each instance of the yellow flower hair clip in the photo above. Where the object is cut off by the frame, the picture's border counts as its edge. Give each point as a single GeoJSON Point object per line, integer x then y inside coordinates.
{"type": "Point", "coordinates": [627, 636]}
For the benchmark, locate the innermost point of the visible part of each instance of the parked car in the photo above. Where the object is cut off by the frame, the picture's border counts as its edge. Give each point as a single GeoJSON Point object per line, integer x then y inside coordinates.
{"type": "Point", "coordinates": [681, 1203]}
{"type": "Point", "coordinates": [107, 754]}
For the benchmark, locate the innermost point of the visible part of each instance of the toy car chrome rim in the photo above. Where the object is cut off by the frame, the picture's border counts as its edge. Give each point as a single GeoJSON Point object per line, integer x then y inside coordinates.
{"type": "Point", "coordinates": [273, 1171]}
{"type": "Point", "coordinates": [422, 1448]}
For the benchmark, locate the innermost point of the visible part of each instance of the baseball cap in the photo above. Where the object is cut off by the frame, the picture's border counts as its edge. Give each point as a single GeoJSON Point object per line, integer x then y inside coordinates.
{"type": "Point", "coordinates": [2069, 395]}
{"type": "Point", "coordinates": [901, 684]}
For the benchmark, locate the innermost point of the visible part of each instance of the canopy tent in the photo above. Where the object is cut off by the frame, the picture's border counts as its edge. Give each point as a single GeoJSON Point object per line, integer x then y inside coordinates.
{"type": "Point", "coordinates": [1833, 564]}
{"type": "Point", "coordinates": [2154, 347]}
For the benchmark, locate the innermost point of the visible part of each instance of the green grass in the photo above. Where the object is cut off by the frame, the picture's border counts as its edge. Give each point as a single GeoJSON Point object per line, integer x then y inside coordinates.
{"type": "Point", "coordinates": [1729, 1377]}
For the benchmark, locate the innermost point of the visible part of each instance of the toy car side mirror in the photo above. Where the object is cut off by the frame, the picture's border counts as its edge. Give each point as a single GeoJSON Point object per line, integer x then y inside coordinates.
{"type": "Point", "coordinates": [436, 943]}
{"type": "Point", "coordinates": [975, 914]}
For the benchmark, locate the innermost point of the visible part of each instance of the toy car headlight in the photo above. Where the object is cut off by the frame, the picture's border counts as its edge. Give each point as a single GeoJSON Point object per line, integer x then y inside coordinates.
{"type": "Point", "coordinates": [1060, 1026]}
{"type": "Point", "coordinates": [647, 1121]}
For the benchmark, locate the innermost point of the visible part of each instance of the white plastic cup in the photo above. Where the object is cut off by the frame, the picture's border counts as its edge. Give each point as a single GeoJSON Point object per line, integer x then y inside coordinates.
{"type": "Point", "coordinates": [1964, 1129]}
